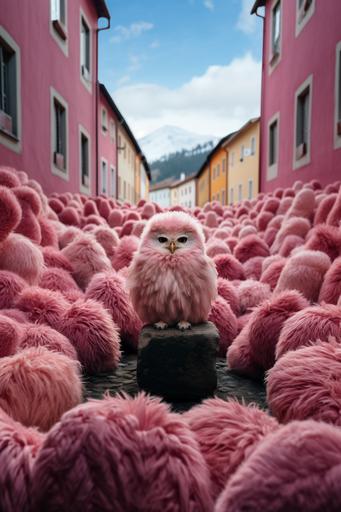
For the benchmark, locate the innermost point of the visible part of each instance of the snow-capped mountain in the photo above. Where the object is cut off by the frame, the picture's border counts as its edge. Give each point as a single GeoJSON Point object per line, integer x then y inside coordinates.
{"type": "Point", "coordinates": [170, 139]}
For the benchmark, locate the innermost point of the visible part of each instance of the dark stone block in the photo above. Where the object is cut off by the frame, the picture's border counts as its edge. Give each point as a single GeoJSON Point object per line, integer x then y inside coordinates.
{"type": "Point", "coordinates": [176, 365]}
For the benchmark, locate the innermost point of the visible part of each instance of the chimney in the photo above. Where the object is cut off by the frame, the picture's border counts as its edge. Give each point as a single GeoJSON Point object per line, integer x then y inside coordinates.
{"type": "Point", "coordinates": [182, 176]}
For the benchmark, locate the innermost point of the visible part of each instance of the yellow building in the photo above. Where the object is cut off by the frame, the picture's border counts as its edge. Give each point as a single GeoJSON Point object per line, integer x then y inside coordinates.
{"type": "Point", "coordinates": [243, 162]}
{"type": "Point", "coordinates": [203, 184]}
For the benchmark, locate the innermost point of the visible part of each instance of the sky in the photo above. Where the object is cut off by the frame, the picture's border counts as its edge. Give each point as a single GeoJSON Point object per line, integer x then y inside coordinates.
{"type": "Point", "coordinates": [195, 64]}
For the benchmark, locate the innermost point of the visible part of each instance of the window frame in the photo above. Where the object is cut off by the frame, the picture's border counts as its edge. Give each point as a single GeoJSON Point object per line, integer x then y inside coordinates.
{"type": "Point", "coordinates": [337, 99]}
{"type": "Point", "coordinates": [13, 141]}
{"type": "Point", "coordinates": [275, 58]}
{"type": "Point", "coordinates": [104, 127]}
{"type": "Point", "coordinates": [250, 182]}
{"type": "Point", "coordinates": [104, 161]}
{"type": "Point", "coordinates": [240, 192]}
{"type": "Point", "coordinates": [54, 169]}
{"type": "Point", "coordinates": [59, 30]}
{"type": "Point", "coordinates": [306, 158]}
{"type": "Point", "coordinates": [86, 81]}
{"type": "Point", "coordinates": [83, 132]}
{"type": "Point", "coordinates": [253, 146]}
{"type": "Point", "coordinates": [272, 170]}
{"type": "Point", "coordinates": [113, 181]}
{"type": "Point", "coordinates": [300, 24]}
{"type": "Point", "coordinates": [112, 131]}
{"type": "Point", "coordinates": [231, 195]}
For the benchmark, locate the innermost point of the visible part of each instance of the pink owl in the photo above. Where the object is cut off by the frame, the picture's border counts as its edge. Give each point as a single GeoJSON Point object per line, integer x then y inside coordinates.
{"type": "Point", "coordinates": [171, 279]}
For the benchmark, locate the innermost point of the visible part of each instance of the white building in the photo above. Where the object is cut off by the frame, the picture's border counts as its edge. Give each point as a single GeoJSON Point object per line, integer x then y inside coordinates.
{"type": "Point", "coordinates": [184, 191]}
{"type": "Point", "coordinates": [161, 193]}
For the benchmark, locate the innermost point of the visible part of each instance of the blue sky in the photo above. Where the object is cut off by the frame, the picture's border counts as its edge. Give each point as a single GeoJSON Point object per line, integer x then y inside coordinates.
{"type": "Point", "coordinates": [173, 62]}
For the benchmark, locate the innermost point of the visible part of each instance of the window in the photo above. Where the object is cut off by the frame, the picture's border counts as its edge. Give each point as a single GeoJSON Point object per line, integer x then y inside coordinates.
{"type": "Point", "coordinates": [302, 124]}
{"type": "Point", "coordinates": [304, 11]}
{"type": "Point", "coordinates": [104, 118]}
{"type": "Point", "coordinates": [59, 135]}
{"type": "Point", "coordinates": [58, 17]}
{"type": "Point", "coordinates": [250, 191]}
{"type": "Point", "coordinates": [253, 145]}
{"type": "Point", "coordinates": [85, 52]}
{"type": "Point", "coordinates": [84, 160]}
{"type": "Point", "coordinates": [104, 176]}
{"type": "Point", "coordinates": [223, 197]}
{"type": "Point", "coordinates": [273, 138]}
{"type": "Point", "coordinates": [242, 153]}
{"type": "Point", "coordinates": [224, 165]}
{"type": "Point", "coordinates": [231, 196]}
{"type": "Point", "coordinates": [240, 192]}
{"type": "Point", "coordinates": [232, 159]}
{"type": "Point", "coordinates": [113, 181]}
{"type": "Point", "coordinates": [10, 125]}
{"type": "Point", "coordinates": [275, 34]}
{"type": "Point", "coordinates": [58, 23]}
{"type": "Point", "coordinates": [337, 115]}
{"type": "Point", "coordinates": [112, 131]}
{"type": "Point", "coordinates": [218, 169]}
{"type": "Point", "coordinates": [124, 189]}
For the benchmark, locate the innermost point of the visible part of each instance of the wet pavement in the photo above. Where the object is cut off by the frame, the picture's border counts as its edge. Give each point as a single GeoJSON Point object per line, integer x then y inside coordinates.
{"type": "Point", "coordinates": [124, 379]}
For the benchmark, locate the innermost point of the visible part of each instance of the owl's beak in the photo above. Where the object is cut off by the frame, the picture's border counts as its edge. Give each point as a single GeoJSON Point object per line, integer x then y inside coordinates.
{"type": "Point", "coordinates": [172, 247]}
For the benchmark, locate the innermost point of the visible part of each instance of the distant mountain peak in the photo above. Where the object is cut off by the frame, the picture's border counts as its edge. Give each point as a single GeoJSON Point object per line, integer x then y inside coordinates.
{"type": "Point", "coordinates": [170, 139]}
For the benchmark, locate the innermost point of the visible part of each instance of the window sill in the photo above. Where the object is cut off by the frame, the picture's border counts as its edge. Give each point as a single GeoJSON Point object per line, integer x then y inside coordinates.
{"type": "Point", "coordinates": [60, 29]}
{"type": "Point", "coordinates": [9, 135]}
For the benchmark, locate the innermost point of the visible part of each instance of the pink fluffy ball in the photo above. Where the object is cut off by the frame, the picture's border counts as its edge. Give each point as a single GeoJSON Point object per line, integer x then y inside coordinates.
{"type": "Point", "coordinates": [10, 333]}
{"type": "Point", "coordinates": [42, 306]}
{"type": "Point", "coordinates": [229, 293]}
{"type": "Point", "coordinates": [19, 446]}
{"type": "Point", "coordinates": [121, 454]}
{"type": "Point", "coordinates": [227, 432]}
{"type": "Point", "coordinates": [331, 286]}
{"type": "Point", "coordinates": [306, 383]}
{"type": "Point", "coordinates": [308, 326]}
{"type": "Point", "coordinates": [57, 279]}
{"type": "Point", "coordinates": [296, 469]}
{"type": "Point", "coordinates": [43, 336]}
{"type": "Point", "coordinates": [109, 290]}
{"type": "Point", "coordinates": [10, 212]}
{"type": "Point", "coordinates": [11, 285]}
{"type": "Point", "coordinates": [250, 246]}
{"type": "Point", "coordinates": [239, 358]}
{"type": "Point", "coordinates": [54, 258]}
{"type": "Point", "coordinates": [125, 252]}
{"type": "Point", "coordinates": [266, 322]}
{"type": "Point", "coordinates": [225, 320]}
{"type": "Point", "coordinates": [252, 293]}
{"type": "Point", "coordinates": [37, 386]}
{"type": "Point", "coordinates": [229, 267]}
{"type": "Point", "coordinates": [21, 256]}
{"type": "Point", "coordinates": [91, 330]}
{"type": "Point", "coordinates": [87, 258]}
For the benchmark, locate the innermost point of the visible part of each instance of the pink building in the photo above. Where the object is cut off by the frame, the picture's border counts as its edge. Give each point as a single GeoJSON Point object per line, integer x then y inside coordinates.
{"type": "Point", "coordinates": [55, 122]}
{"type": "Point", "coordinates": [301, 92]}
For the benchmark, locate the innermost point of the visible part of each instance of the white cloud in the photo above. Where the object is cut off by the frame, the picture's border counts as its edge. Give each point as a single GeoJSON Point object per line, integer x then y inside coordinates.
{"type": "Point", "coordinates": [217, 102]}
{"type": "Point", "coordinates": [133, 30]}
{"type": "Point", "coordinates": [209, 4]}
{"type": "Point", "coordinates": [154, 44]}
{"type": "Point", "coordinates": [247, 23]}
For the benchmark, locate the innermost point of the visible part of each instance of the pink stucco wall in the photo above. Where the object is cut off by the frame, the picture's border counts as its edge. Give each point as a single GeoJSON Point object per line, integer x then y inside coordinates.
{"type": "Point", "coordinates": [107, 147]}
{"type": "Point", "coordinates": [311, 52]}
{"type": "Point", "coordinates": [43, 64]}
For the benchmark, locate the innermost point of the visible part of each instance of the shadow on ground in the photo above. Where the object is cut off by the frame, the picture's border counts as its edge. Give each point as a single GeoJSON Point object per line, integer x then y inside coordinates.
{"type": "Point", "coordinates": [124, 379]}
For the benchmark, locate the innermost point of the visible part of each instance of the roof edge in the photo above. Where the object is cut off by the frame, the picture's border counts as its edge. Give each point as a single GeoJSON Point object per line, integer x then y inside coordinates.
{"type": "Point", "coordinates": [258, 3]}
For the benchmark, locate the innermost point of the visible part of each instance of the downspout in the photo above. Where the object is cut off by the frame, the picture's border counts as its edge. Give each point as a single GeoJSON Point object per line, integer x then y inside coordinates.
{"type": "Point", "coordinates": [97, 99]}
{"type": "Point", "coordinates": [260, 159]}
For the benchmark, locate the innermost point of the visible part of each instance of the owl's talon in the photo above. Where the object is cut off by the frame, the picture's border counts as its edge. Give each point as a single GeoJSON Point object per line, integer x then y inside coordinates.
{"type": "Point", "coordinates": [184, 326]}
{"type": "Point", "coordinates": [161, 325]}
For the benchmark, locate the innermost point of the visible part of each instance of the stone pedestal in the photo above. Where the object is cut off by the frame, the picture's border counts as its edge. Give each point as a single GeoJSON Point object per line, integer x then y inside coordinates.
{"type": "Point", "coordinates": [178, 366]}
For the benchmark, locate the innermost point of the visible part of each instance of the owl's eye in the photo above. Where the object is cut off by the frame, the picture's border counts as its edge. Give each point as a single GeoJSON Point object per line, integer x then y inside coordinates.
{"type": "Point", "coordinates": [162, 239]}
{"type": "Point", "coordinates": [182, 239]}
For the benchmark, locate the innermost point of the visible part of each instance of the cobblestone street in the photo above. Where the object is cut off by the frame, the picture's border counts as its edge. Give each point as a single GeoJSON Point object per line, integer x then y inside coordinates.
{"type": "Point", "coordinates": [124, 379]}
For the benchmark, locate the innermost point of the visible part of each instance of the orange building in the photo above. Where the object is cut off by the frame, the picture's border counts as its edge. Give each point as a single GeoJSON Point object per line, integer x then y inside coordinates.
{"type": "Point", "coordinates": [212, 177]}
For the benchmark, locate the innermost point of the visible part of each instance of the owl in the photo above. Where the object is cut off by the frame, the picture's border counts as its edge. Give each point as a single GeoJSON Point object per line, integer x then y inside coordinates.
{"type": "Point", "coordinates": [171, 280]}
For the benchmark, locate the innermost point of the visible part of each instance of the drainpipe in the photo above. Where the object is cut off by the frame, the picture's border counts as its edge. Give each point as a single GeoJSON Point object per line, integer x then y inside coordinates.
{"type": "Point", "coordinates": [262, 120]}
{"type": "Point", "coordinates": [107, 27]}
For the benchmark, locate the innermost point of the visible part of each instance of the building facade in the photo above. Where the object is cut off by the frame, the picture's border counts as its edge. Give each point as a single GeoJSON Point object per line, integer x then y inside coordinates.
{"type": "Point", "coordinates": [203, 185]}
{"type": "Point", "coordinates": [243, 162]}
{"type": "Point", "coordinates": [301, 92]}
{"type": "Point", "coordinates": [218, 174]}
{"type": "Point", "coordinates": [183, 191]}
{"type": "Point", "coordinates": [160, 193]}
{"type": "Point", "coordinates": [55, 124]}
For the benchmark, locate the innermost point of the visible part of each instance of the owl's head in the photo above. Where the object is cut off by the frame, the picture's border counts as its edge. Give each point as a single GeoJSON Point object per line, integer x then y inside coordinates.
{"type": "Point", "coordinates": [173, 233]}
